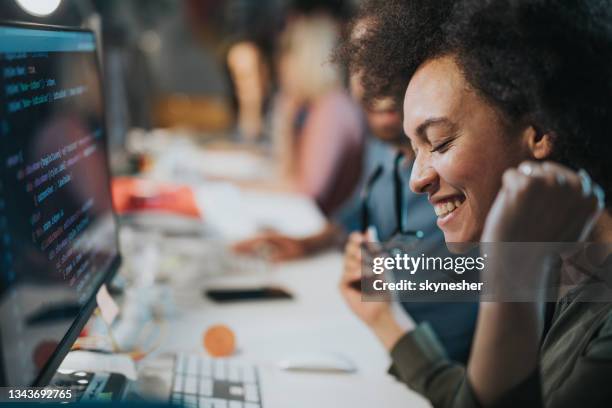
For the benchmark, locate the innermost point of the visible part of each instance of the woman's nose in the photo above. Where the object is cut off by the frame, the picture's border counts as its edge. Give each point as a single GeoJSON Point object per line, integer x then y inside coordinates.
{"type": "Point", "coordinates": [423, 177]}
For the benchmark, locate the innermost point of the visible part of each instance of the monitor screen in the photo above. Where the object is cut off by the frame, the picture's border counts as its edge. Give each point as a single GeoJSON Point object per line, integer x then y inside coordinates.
{"type": "Point", "coordinates": [58, 234]}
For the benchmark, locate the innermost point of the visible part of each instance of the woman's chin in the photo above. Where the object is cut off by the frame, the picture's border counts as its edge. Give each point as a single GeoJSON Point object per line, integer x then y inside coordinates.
{"type": "Point", "coordinates": [452, 234]}
{"type": "Point", "coordinates": [458, 226]}
{"type": "Point", "coordinates": [460, 238]}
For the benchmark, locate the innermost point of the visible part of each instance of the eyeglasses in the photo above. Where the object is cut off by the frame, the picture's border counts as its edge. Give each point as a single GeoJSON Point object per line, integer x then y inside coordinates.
{"type": "Point", "coordinates": [400, 210]}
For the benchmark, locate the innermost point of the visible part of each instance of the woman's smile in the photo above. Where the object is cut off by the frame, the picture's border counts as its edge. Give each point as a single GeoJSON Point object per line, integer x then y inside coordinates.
{"type": "Point", "coordinates": [448, 208]}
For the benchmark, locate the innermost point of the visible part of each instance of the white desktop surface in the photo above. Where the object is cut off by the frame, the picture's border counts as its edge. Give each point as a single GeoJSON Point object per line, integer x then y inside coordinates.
{"type": "Point", "coordinates": [317, 319]}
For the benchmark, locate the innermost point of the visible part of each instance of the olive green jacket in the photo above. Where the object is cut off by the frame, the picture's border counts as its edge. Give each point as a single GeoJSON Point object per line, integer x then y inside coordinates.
{"type": "Point", "coordinates": [575, 367]}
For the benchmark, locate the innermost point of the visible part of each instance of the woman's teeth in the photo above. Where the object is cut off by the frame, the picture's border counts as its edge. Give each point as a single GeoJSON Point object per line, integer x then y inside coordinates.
{"type": "Point", "coordinates": [447, 207]}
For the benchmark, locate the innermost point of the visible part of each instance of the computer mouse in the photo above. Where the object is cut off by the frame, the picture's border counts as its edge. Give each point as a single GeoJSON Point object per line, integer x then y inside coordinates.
{"type": "Point", "coordinates": [320, 361]}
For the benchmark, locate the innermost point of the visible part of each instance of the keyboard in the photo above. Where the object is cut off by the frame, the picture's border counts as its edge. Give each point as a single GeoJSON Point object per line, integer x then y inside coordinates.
{"type": "Point", "coordinates": [214, 383]}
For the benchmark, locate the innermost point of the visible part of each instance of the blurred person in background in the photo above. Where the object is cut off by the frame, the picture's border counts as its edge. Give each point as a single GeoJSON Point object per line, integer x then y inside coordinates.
{"type": "Point", "coordinates": [251, 30]}
{"type": "Point", "coordinates": [317, 128]}
{"type": "Point", "coordinates": [250, 75]}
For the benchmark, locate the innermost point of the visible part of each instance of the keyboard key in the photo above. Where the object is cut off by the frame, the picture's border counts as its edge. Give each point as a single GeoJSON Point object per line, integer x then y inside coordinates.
{"type": "Point", "coordinates": [206, 387]}
{"type": "Point", "coordinates": [233, 373]}
{"type": "Point", "coordinates": [190, 401]}
{"type": "Point", "coordinates": [219, 371]}
{"type": "Point", "coordinates": [219, 403]}
{"type": "Point", "coordinates": [179, 364]}
{"type": "Point", "coordinates": [235, 404]}
{"type": "Point", "coordinates": [250, 393]}
{"type": "Point", "coordinates": [178, 384]}
{"type": "Point", "coordinates": [206, 367]}
{"type": "Point", "coordinates": [251, 405]}
{"type": "Point", "coordinates": [192, 365]}
{"type": "Point", "coordinates": [236, 391]}
{"type": "Point", "coordinates": [177, 398]}
{"type": "Point", "coordinates": [206, 402]}
{"type": "Point", "coordinates": [248, 373]}
{"type": "Point", "coordinates": [191, 385]}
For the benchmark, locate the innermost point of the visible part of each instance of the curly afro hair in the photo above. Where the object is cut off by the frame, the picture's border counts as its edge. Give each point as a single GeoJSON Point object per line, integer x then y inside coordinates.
{"type": "Point", "coordinates": [398, 36]}
{"type": "Point", "coordinates": [548, 62]}
{"type": "Point", "coordinates": [545, 62]}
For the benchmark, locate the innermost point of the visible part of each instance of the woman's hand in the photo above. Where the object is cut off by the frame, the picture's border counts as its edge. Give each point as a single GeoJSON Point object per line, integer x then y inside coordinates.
{"type": "Point", "coordinates": [543, 202]}
{"type": "Point", "coordinates": [378, 314]}
{"type": "Point", "coordinates": [273, 246]}
{"type": "Point", "coordinates": [537, 203]}
{"type": "Point", "coordinates": [278, 247]}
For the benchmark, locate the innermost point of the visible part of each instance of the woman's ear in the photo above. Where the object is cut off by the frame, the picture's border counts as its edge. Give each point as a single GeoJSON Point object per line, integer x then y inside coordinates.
{"type": "Point", "coordinates": [540, 144]}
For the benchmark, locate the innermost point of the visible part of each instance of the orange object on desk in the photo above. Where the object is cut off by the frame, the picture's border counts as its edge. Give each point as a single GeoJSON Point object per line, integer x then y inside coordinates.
{"type": "Point", "coordinates": [132, 194]}
{"type": "Point", "coordinates": [219, 341]}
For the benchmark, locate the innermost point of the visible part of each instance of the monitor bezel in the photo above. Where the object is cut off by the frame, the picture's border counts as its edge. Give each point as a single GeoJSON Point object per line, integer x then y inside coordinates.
{"type": "Point", "coordinates": [48, 371]}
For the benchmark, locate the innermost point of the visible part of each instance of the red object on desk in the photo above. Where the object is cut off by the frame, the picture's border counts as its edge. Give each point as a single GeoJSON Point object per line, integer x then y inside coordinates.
{"type": "Point", "coordinates": [132, 194]}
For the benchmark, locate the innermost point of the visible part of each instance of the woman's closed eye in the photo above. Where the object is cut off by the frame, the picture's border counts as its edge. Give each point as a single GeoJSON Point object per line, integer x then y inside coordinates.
{"type": "Point", "coordinates": [442, 147]}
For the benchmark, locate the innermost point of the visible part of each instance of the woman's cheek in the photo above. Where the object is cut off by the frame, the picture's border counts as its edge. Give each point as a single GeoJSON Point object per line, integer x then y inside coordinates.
{"type": "Point", "coordinates": [458, 166]}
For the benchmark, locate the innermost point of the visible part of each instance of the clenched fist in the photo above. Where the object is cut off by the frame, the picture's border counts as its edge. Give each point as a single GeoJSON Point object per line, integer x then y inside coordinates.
{"type": "Point", "coordinates": [537, 203]}
{"type": "Point", "coordinates": [543, 202]}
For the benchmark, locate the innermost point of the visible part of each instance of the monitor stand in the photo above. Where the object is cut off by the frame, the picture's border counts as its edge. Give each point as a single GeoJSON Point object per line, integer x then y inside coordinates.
{"type": "Point", "coordinates": [101, 387]}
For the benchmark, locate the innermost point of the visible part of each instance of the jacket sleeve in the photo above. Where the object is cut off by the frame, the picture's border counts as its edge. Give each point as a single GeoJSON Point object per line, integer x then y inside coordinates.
{"type": "Point", "coordinates": [419, 361]}
{"type": "Point", "coordinates": [588, 384]}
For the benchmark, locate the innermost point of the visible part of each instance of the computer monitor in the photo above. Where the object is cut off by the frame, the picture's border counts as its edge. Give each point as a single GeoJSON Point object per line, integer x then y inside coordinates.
{"type": "Point", "coordinates": [58, 234]}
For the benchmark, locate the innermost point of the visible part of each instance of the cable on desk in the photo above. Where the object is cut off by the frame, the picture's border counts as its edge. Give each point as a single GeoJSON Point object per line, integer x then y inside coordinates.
{"type": "Point", "coordinates": [137, 353]}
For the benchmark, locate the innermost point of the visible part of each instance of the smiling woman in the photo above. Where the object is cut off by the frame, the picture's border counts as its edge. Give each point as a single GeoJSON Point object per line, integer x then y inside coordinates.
{"type": "Point", "coordinates": [507, 106]}
{"type": "Point", "coordinates": [457, 138]}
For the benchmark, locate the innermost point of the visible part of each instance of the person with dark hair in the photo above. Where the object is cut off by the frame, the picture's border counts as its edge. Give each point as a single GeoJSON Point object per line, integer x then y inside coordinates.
{"type": "Point", "coordinates": [398, 35]}
{"type": "Point", "coordinates": [507, 106]}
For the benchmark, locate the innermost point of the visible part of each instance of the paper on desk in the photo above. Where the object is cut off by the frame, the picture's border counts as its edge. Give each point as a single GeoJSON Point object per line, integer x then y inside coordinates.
{"type": "Point", "coordinates": [108, 308]}
{"type": "Point", "coordinates": [99, 362]}
{"type": "Point", "coordinates": [239, 214]}
{"type": "Point", "coordinates": [228, 164]}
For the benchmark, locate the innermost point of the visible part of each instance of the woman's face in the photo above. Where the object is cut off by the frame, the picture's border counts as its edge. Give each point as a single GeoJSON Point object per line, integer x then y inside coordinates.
{"type": "Point", "coordinates": [462, 148]}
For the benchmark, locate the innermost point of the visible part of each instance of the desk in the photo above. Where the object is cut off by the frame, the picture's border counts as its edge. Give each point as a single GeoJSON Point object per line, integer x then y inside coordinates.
{"type": "Point", "coordinates": [316, 320]}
